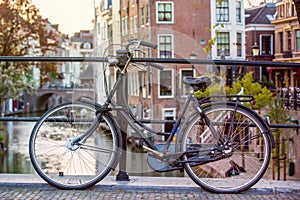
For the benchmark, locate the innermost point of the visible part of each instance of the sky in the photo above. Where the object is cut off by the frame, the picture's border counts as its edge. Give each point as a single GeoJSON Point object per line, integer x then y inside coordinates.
{"type": "Point", "coordinates": [71, 15]}
{"type": "Point", "coordinates": [75, 15]}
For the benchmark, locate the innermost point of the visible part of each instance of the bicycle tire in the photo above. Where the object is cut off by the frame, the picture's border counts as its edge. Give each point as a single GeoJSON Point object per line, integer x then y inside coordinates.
{"type": "Point", "coordinates": [250, 149]}
{"type": "Point", "coordinates": [68, 165]}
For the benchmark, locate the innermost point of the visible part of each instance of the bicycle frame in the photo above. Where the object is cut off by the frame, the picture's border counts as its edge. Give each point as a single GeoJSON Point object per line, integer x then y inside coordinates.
{"type": "Point", "coordinates": [125, 111]}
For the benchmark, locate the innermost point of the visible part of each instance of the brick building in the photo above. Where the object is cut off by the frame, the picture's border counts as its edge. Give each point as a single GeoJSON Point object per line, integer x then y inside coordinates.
{"type": "Point", "coordinates": [260, 32]}
{"type": "Point", "coordinates": [181, 29]}
{"type": "Point", "coordinates": [287, 46]}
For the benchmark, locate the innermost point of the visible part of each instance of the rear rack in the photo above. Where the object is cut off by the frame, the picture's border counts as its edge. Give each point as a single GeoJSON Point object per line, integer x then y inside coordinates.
{"type": "Point", "coordinates": [233, 98]}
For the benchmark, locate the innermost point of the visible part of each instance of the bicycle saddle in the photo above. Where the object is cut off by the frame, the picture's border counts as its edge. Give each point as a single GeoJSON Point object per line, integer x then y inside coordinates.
{"type": "Point", "coordinates": [199, 83]}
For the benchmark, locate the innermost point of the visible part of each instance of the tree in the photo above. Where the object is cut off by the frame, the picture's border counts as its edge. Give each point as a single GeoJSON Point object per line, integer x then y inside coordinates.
{"type": "Point", "coordinates": [20, 24]}
{"type": "Point", "coordinates": [262, 95]}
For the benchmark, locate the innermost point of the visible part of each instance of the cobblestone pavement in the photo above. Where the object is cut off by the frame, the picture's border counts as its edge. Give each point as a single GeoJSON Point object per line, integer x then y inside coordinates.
{"type": "Point", "coordinates": [32, 193]}
{"type": "Point", "coordinates": [19, 187]}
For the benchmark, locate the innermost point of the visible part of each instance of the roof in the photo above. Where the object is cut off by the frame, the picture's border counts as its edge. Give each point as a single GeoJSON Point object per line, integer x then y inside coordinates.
{"type": "Point", "coordinates": [263, 14]}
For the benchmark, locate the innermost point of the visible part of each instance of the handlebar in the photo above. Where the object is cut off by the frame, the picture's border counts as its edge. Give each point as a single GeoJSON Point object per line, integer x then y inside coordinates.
{"type": "Point", "coordinates": [142, 43]}
{"type": "Point", "coordinates": [148, 44]}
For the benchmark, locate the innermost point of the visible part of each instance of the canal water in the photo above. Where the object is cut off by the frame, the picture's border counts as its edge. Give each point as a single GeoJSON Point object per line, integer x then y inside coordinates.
{"type": "Point", "coordinates": [15, 159]}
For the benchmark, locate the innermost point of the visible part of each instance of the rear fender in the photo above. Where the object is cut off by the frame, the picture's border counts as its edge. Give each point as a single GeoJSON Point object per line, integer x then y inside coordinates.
{"type": "Point", "coordinates": [266, 128]}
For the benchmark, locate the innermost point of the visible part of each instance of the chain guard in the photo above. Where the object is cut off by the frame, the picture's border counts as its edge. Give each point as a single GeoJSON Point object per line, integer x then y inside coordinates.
{"type": "Point", "coordinates": [159, 165]}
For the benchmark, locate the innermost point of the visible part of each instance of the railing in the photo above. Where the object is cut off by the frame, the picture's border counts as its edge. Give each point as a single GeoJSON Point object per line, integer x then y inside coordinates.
{"type": "Point", "coordinates": [162, 60]}
{"type": "Point", "coordinates": [294, 126]}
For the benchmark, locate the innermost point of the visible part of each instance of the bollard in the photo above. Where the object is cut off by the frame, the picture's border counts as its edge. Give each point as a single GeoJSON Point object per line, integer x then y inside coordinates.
{"type": "Point", "coordinates": [122, 175]}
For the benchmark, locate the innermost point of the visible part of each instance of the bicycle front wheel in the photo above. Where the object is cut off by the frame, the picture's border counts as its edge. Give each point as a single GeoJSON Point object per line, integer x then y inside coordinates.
{"type": "Point", "coordinates": [234, 168]}
{"type": "Point", "coordinates": [68, 164]}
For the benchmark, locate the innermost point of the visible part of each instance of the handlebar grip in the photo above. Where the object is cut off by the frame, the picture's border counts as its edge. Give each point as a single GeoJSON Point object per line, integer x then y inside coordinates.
{"type": "Point", "coordinates": [148, 44]}
{"type": "Point", "coordinates": [157, 66]}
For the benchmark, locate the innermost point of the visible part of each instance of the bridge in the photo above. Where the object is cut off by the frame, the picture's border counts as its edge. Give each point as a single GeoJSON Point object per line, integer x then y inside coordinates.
{"type": "Point", "coordinates": [46, 98]}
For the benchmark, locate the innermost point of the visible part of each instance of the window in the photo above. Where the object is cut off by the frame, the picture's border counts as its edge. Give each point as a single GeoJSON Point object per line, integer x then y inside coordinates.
{"type": "Point", "coordinates": [238, 11]}
{"type": "Point", "coordinates": [164, 12]}
{"type": "Point", "coordinates": [133, 83]}
{"type": "Point", "coordinates": [168, 114]}
{"type": "Point", "coordinates": [280, 11]}
{"type": "Point", "coordinates": [131, 25]}
{"type": "Point", "coordinates": [289, 41]}
{"type": "Point", "coordinates": [98, 28]}
{"type": "Point", "coordinates": [126, 25]}
{"type": "Point", "coordinates": [298, 40]}
{"type": "Point", "coordinates": [266, 44]}
{"type": "Point", "coordinates": [165, 49]}
{"type": "Point", "coordinates": [166, 83]}
{"type": "Point", "coordinates": [147, 15]}
{"type": "Point", "coordinates": [280, 42]}
{"type": "Point", "coordinates": [135, 24]}
{"type": "Point", "coordinates": [123, 26]}
{"type": "Point", "coordinates": [87, 45]}
{"type": "Point", "coordinates": [104, 31]}
{"type": "Point", "coordinates": [142, 16]}
{"type": "Point", "coordinates": [223, 43]}
{"type": "Point", "coordinates": [239, 44]}
{"type": "Point", "coordinates": [288, 13]}
{"type": "Point", "coordinates": [222, 10]}
{"type": "Point", "coordinates": [184, 90]}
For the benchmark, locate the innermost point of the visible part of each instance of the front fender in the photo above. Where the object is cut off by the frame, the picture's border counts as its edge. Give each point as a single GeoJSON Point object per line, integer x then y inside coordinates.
{"type": "Point", "coordinates": [116, 127]}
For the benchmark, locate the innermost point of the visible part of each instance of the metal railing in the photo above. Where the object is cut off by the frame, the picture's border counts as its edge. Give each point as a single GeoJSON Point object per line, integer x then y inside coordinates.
{"type": "Point", "coordinates": [151, 60]}
{"type": "Point", "coordinates": [294, 126]}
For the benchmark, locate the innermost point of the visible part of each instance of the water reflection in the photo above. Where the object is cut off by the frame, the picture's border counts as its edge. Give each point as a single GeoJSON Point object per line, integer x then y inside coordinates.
{"type": "Point", "coordinates": [15, 159]}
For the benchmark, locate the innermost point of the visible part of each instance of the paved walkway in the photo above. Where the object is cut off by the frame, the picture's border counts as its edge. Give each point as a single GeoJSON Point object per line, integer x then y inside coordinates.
{"type": "Point", "coordinates": [17, 186]}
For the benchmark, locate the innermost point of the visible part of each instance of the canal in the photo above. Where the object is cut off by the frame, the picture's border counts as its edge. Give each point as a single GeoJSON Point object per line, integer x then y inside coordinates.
{"type": "Point", "coordinates": [15, 158]}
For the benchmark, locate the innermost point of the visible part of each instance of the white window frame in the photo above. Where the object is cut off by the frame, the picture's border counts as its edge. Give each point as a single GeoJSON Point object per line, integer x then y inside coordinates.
{"type": "Point", "coordinates": [126, 25]}
{"type": "Point", "coordinates": [123, 26]}
{"type": "Point", "coordinates": [240, 11]}
{"type": "Point", "coordinates": [297, 40]}
{"type": "Point", "coordinates": [261, 43]}
{"type": "Point", "coordinates": [131, 25]}
{"type": "Point", "coordinates": [172, 44]}
{"type": "Point", "coordinates": [221, 8]}
{"type": "Point", "coordinates": [165, 114]}
{"type": "Point", "coordinates": [183, 91]}
{"type": "Point", "coordinates": [133, 83]}
{"type": "Point", "coordinates": [143, 16]}
{"type": "Point", "coordinates": [172, 84]}
{"type": "Point", "coordinates": [135, 24]}
{"type": "Point", "coordinates": [164, 22]}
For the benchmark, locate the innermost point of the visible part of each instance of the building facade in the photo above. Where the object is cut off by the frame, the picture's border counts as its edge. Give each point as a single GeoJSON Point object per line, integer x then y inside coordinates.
{"type": "Point", "coordinates": [260, 32]}
{"type": "Point", "coordinates": [180, 31]}
{"type": "Point", "coordinates": [287, 46]}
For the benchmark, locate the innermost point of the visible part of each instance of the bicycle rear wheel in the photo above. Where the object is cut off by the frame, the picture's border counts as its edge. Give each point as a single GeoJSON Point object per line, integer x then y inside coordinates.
{"type": "Point", "coordinates": [238, 167]}
{"type": "Point", "coordinates": [73, 165]}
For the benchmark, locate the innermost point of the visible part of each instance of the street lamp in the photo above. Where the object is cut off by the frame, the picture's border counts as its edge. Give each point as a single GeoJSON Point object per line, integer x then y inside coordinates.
{"type": "Point", "coordinates": [255, 52]}
{"type": "Point", "coordinates": [255, 49]}
{"type": "Point", "coordinates": [193, 56]}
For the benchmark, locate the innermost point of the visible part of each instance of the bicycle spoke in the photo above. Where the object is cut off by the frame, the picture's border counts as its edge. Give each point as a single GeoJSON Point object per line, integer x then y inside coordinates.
{"type": "Point", "coordinates": [64, 164]}
{"type": "Point", "coordinates": [239, 160]}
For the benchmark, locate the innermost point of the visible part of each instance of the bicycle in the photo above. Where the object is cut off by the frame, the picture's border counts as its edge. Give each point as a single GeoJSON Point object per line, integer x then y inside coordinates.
{"type": "Point", "coordinates": [222, 145]}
